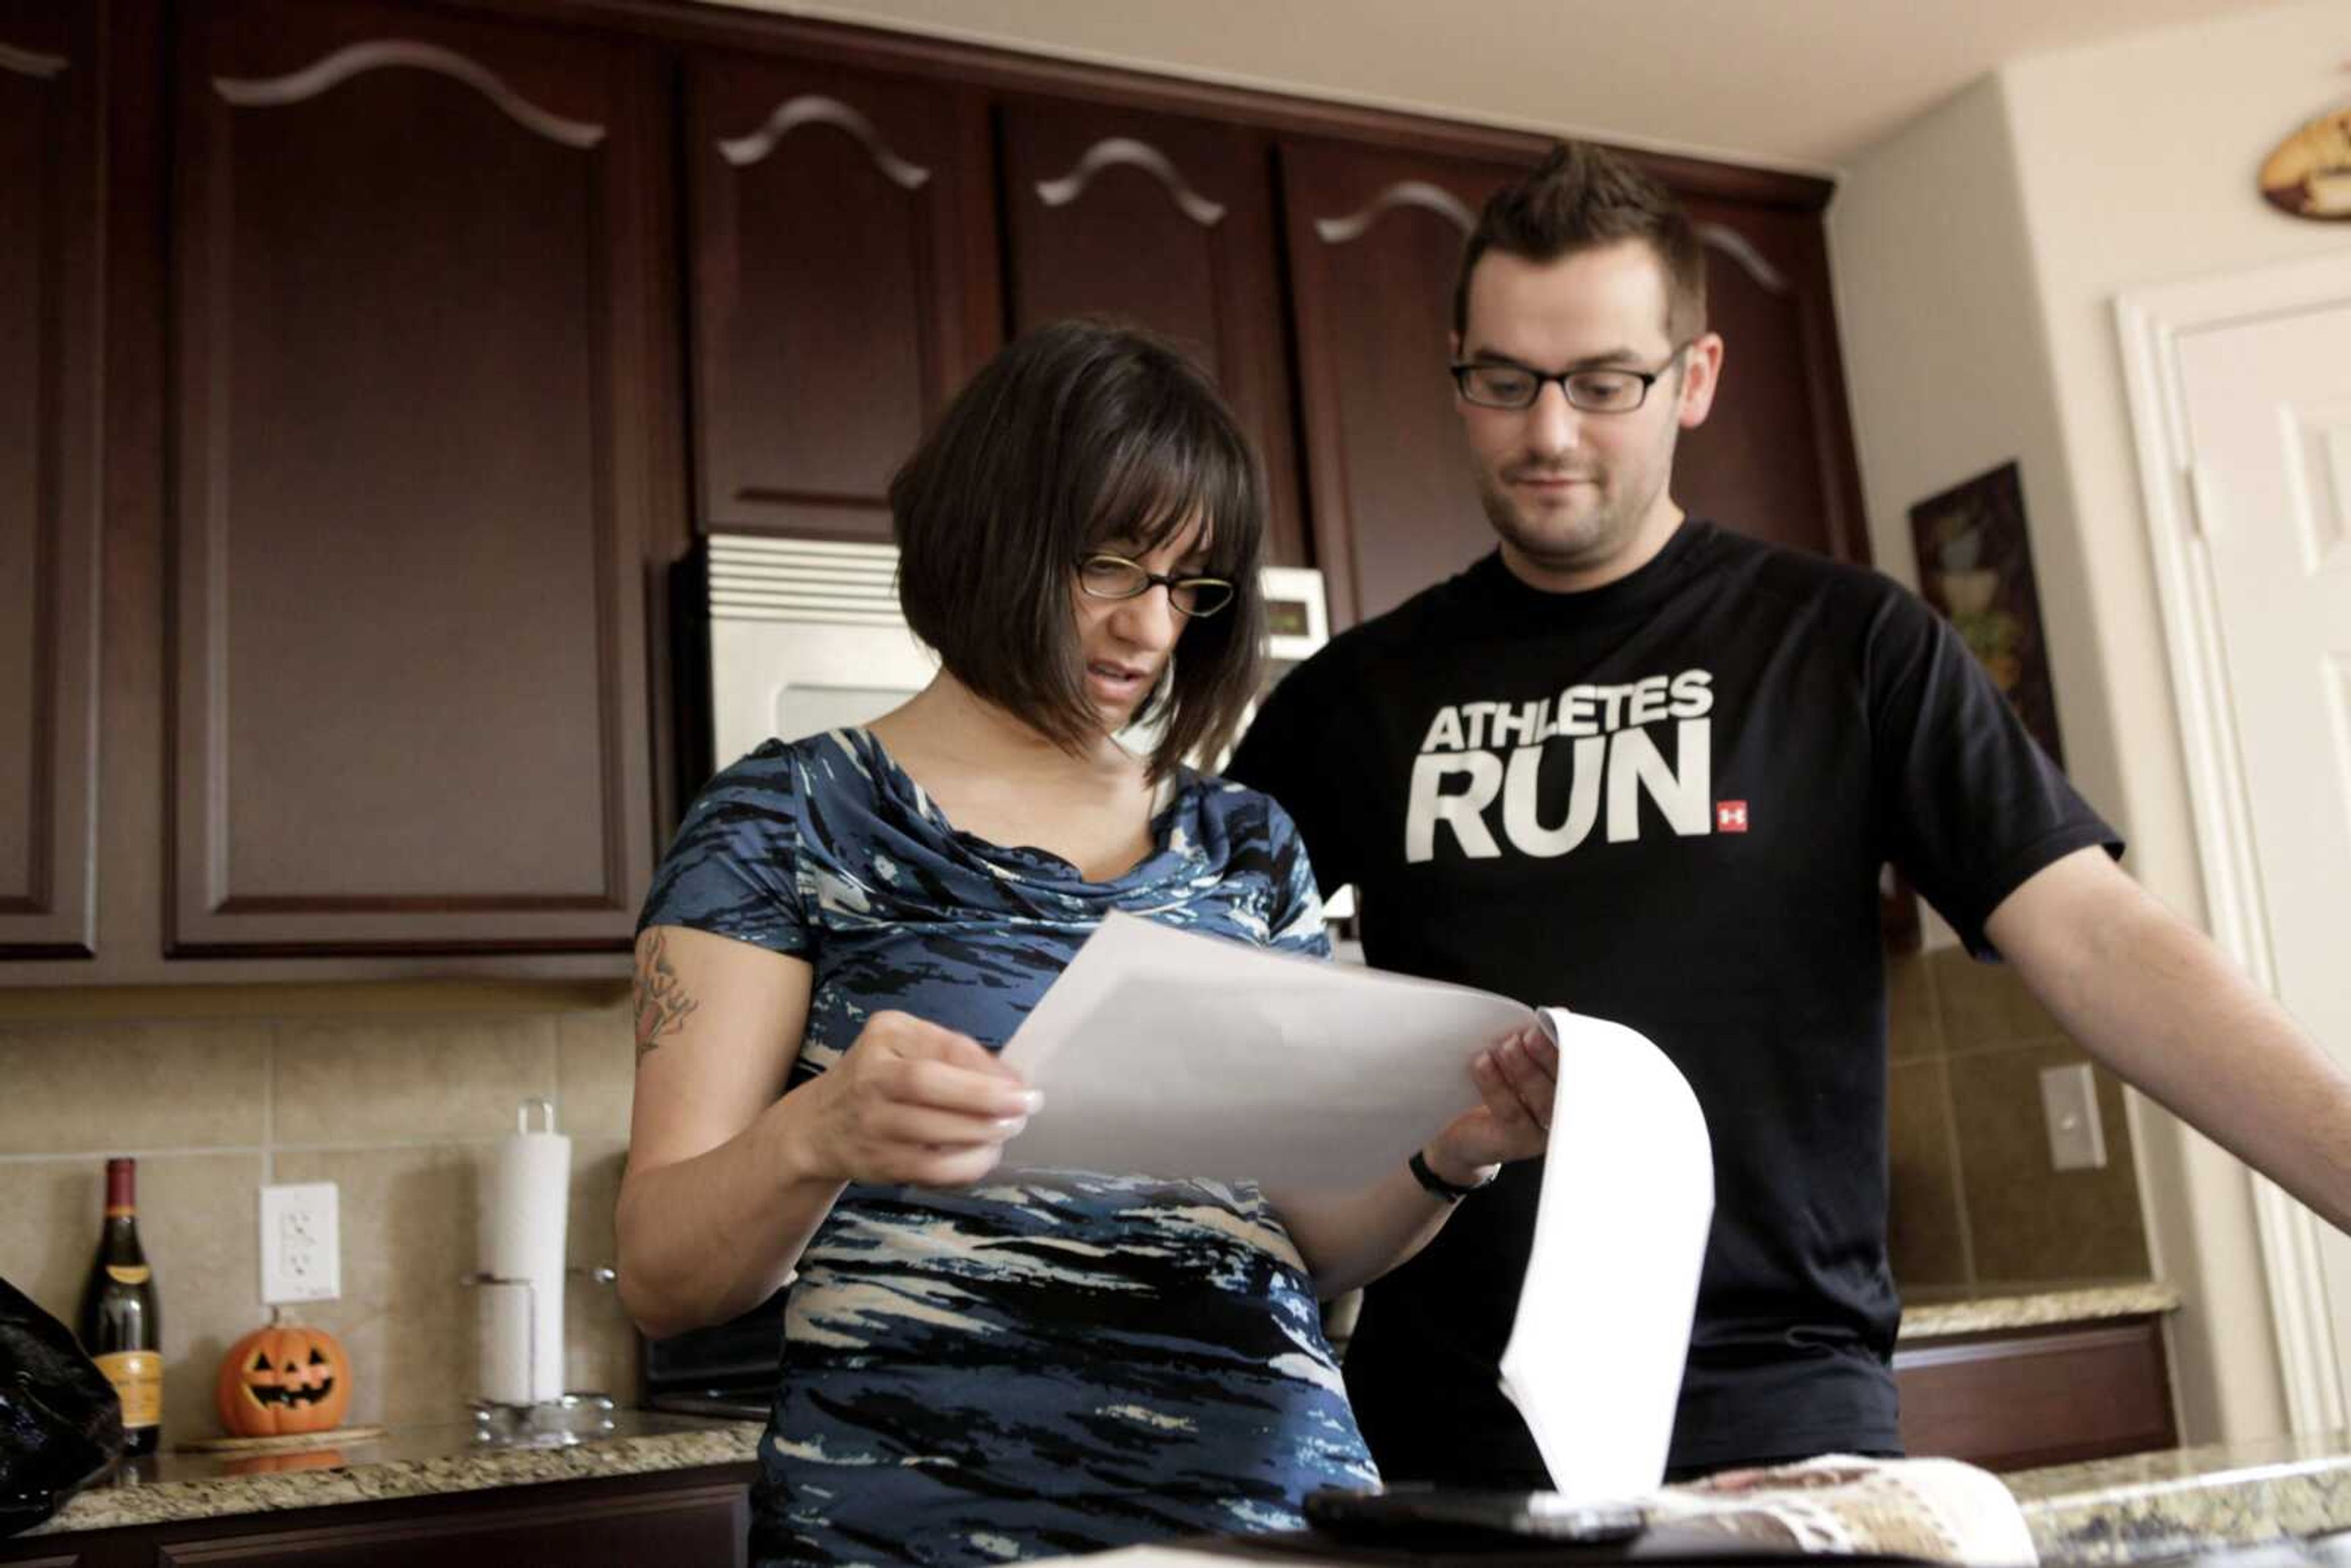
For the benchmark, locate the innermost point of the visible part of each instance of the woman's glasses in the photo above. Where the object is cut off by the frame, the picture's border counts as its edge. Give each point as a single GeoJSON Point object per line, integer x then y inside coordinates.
{"type": "Point", "coordinates": [1115, 576]}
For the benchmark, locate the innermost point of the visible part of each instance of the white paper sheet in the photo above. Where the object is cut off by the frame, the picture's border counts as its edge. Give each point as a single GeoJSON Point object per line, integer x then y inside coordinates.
{"type": "Point", "coordinates": [1166, 1052]}
{"type": "Point", "coordinates": [1594, 1361]}
{"type": "Point", "coordinates": [1169, 1053]}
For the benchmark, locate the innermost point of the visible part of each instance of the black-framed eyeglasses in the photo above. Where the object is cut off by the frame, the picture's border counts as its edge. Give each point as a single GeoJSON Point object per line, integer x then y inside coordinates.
{"type": "Point", "coordinates": [1599, 389]}
{"type": "Point", "coordinates": [1115, 576]}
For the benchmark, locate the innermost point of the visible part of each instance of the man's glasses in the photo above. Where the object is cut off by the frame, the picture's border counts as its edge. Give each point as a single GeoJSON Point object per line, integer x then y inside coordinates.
{"type": "Point", "coordinates": [1600, 390]}
{"type": "Point", "coordinates": [1115, 576]}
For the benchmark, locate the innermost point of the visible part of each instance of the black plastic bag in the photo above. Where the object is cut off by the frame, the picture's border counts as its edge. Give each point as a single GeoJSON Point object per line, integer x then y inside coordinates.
{"type": "Point", "coordinates": [60, 1422]}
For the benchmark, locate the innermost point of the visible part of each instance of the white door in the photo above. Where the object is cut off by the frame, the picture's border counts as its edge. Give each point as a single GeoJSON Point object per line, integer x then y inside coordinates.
{"type": "Point", "coordinates": [2268, 428]}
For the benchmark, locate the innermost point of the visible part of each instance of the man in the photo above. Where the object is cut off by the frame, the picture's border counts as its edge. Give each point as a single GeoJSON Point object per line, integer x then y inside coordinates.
{"type": "Point", "coordinates": [1646, 769]}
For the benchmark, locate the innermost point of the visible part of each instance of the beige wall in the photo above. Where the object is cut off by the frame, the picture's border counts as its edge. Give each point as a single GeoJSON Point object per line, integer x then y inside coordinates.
{"type": "Point", "coordinates": [399, 1107]}
{"type": "Point", "coordinates": [1978, 253]}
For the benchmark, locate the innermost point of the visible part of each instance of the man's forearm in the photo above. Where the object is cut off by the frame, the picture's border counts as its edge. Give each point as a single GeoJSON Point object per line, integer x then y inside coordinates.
{"type": "Point", "coordinates": [2151, 997]}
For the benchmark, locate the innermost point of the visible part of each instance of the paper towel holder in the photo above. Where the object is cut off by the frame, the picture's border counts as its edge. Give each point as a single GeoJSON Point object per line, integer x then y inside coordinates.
{"type": "Point", "coordinates": [568, 1419]}
{"type": "Point", "coordinates": [558, 1422]}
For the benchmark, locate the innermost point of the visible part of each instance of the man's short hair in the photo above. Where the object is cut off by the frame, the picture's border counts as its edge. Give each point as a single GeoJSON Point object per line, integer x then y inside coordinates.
{"type": "Point", "coordinates": [1078, 436]}
{"type": "Point", "coordinates": [1580, 197]}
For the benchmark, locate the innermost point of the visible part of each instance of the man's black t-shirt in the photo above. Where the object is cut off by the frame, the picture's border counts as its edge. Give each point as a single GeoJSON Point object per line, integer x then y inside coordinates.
{"type": "Point", "coordinates": [1665, 801]}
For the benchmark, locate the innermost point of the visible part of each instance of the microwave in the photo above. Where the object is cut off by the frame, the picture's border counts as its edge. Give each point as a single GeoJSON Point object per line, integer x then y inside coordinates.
{"type": "Point", "coordinates": [781, 638]}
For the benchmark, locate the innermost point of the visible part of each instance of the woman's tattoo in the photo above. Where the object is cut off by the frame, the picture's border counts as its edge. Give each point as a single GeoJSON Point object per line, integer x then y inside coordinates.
{"type": "Point", "coordinates": [663, 1004]}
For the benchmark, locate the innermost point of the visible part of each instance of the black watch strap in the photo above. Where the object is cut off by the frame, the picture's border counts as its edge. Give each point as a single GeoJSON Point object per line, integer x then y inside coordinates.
{"type": "Point", "coordinates": [1436, 1185]}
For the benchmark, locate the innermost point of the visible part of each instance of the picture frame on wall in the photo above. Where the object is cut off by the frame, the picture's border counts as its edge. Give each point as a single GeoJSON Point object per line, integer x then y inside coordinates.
{"type": "Point", "coordinates": [1975, 566]}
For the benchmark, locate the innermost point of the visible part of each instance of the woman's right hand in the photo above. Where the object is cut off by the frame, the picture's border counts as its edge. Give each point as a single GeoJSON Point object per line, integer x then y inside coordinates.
{"type": "Point", "coordinates": [909, 1104]}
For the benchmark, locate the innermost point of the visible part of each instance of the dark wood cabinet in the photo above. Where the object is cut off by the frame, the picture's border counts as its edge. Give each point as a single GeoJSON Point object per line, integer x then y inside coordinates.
{"type": "Point", "coordinates": [843, 284]}
{"type": "Point", "coordinates": [2016, 1398]}
{"type": "Point", "coordinates": [416, 283]}
{"type": "Point", "coordinates": [1168, 223]}
{"type": "Point", "coordinates": [698, 1516]}
{"type": "Point", "coordinates": [704, 1525]}
{"type": "Point", "coordinates": [364, 364]}
{"type": "Point", "coordinates": [1374, 239]}
{"type": "Point", "coordinates": [50, 348]}
{"type": "Point", "coordinates": [1776, 457]}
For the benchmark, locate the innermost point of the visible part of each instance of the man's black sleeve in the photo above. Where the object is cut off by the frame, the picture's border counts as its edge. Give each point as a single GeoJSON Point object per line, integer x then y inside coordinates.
{"type": "Point", "coordinates": [1289, 753]}
{"type": "Point", "coordinates": [1970, 805]}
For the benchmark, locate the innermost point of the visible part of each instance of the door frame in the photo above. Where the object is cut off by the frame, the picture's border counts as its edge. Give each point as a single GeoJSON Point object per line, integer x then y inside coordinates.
{"type": "Point", "coordinates": [2150, 323]}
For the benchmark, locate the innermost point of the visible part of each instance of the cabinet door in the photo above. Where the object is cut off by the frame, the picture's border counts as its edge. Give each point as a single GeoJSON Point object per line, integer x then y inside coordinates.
{"type": "Point", "coordinates": [413, 314]}
{"type": "Point", "coordinates": [1374, 239]}
{"type": "Point", "coordinates": [2017, 1399]}
{"type": "Point", "coordinates": [50, 347]}
{"type": "Point", "coordinates": [707, 1524]}
{"type": "Point", "coordinates": [843, 286]}
{"type": "Point", "coordinates": [1776, 457]}
{"type": "Point", "coordinates": [1166, 223]}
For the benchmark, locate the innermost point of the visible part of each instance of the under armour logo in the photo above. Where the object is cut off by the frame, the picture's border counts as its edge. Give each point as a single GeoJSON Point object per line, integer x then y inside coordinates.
{"type": "Point", "coordinates": [1730, 816]}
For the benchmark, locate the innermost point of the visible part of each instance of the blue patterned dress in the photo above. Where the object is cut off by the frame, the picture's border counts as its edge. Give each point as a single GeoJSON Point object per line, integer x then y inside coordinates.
{"type": "Point", "coordinates": [1032, 1367]}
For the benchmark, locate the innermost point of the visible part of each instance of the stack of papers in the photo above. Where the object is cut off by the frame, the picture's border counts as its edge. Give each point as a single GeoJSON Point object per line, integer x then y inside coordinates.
{"type": "Point", "coordinates": [1166, 1052]}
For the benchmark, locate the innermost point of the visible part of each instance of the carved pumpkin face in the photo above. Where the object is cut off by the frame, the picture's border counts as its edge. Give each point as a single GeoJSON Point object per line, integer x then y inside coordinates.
{"type": "Point", "coordinates": [284, 1379]}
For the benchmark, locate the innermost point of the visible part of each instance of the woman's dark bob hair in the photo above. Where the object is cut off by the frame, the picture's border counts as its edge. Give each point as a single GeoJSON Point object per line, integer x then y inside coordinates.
{"type": "Point", "coordinates": [1081, 436]}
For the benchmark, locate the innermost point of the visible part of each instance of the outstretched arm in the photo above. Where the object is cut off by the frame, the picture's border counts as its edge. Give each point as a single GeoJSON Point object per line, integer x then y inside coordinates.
{"type": "Point", "coordinates": [2151, 997]}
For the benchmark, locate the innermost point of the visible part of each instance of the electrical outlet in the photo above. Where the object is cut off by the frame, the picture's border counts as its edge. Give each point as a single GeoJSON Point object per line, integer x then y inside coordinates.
{"type": "Point", "coordinates": [2069, 1103]}
{"type": "Point", "coordinates": [301, 1249]}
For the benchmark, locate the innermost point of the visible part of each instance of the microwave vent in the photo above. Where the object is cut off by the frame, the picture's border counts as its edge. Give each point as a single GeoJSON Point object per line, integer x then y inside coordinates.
{"type": "Point", "coordinates": [753, 578]}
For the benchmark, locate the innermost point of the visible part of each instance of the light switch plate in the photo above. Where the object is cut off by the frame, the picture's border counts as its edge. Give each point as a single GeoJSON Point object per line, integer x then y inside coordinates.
{"type": "Point", "coordinates": [2069, 1103]}
{"type": "Point", "coordinates": [301, 1248]}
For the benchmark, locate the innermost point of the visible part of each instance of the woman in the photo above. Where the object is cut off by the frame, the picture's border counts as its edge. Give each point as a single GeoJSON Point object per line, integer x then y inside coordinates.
{"type": "Point", "coordinates": [849, 926]}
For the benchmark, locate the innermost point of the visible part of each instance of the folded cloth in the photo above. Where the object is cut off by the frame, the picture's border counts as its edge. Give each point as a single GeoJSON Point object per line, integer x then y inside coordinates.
{"type": "Point", "coordinates": [1939, 1509]}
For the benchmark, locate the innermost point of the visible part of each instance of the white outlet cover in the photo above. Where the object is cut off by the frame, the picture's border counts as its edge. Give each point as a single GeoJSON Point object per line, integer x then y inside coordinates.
{"type": "Point", "coordinates": [2069, 1104]}
{"type": "Point", "coordinates": [301, 1245]}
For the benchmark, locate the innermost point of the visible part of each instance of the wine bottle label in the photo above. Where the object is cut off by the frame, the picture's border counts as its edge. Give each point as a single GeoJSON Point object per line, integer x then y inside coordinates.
{"type": "Point", "coordinates": [138, 1379]}
{"type": "Point", "coordinates": [128, 1273]}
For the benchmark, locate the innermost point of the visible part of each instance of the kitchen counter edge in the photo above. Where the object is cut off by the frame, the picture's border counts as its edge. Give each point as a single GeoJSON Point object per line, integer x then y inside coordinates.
{"type": "Point", "coordinates": [2146, 1507]}
{"type": "Point", "coordinates": [2036, 1308]}
{"type": "Point", "coordinates": [412, 1462]}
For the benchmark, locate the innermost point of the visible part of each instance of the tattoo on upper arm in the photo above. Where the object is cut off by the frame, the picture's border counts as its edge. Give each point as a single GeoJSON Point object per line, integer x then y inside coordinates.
{"type": "Point", "coordinates": [663, 1002]}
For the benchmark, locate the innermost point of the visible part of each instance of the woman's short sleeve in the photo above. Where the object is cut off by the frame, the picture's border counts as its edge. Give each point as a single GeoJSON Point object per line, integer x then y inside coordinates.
{"type": "Point", "coordinates": [734, 867]}
{"type": "Point", "coordinates": [1295, 924]}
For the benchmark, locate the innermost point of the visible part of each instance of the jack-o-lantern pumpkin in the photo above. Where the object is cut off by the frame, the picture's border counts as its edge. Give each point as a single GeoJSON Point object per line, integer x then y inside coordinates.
{"type": "Point", "coordinates": [283, 1379]}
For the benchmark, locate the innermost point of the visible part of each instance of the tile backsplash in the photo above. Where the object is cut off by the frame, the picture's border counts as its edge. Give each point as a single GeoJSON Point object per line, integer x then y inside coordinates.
{"type": "Point", "coordinates": [1977, 1207]}
{"type": "Point", "coordinates": [399, 1107]}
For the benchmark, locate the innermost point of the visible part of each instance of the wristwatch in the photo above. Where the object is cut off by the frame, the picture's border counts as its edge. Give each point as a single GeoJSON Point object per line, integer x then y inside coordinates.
{"type": "Point", "coordinates": [1437, 1186]}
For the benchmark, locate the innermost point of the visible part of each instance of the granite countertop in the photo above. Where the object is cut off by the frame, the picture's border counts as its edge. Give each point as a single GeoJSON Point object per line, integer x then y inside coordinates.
{"type": "Point", "coordinates": [2136, 1509]}
{"type": "Point", "coordinates": [2148, 1506]}
{"type": "Point", "coordinates": [418, 1461]}
{"type": "Point", "coordinates": [1984, 1314]}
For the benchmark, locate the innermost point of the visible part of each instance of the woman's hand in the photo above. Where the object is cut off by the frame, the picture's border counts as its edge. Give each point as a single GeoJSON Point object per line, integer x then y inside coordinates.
{"type": "Point", "coordinates": [1516, 1080]}
{"type": "Point", "coordinates": [909, 1104]}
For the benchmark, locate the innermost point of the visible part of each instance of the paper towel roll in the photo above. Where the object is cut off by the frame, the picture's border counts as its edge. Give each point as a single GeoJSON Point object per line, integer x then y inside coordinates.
{"type": "Point", "coordinates": [522, 1227]}
{"type": "Point", "coordinates": [505, 1344]}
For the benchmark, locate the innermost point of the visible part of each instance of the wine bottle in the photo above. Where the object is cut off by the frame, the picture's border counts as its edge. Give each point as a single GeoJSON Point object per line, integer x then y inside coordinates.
{"type": "Point", "coordinates": [119, 1325]}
